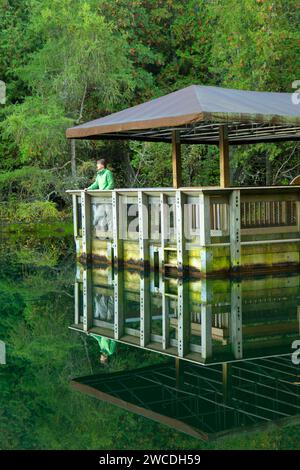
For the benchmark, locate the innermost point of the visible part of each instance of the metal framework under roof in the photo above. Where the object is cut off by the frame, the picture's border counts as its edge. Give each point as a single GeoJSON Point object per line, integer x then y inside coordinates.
{"type": "Point", "coordinates": [208, 133]}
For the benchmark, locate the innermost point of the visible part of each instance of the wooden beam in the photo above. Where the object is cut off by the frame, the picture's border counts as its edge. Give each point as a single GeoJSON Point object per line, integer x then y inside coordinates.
{"type": "Point", "coordinates": [165, 234]}
{"type": "Point", "coordinates": [224, 157]}
{"type": "Point", "coordinates": [176, 159]}
{"type": "Point", "coordinates": [182, 253]}
{"type": "Point", "coordinates": [143, 229]}
{"type": "Point", "coordinates": [75, 215]}
{"type": "Point", "coordinates": [227, 382]}
{"type": "Point", "coordinates": [204, 232]}
{"type": "Point", "coordinates": [164, 226]}
{"type": "Point", "coordinates": [118, 219]}
{"type": "Point", "coordinates": [86, 223]}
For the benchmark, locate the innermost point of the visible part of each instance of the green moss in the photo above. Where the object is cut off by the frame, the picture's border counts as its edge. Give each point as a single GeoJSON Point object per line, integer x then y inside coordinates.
{"type": "Point", "coordinates": [32, 211]}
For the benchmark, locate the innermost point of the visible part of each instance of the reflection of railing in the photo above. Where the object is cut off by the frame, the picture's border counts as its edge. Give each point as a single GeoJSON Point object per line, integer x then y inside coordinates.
{"type": "Point", "coordinates": [194, 319]}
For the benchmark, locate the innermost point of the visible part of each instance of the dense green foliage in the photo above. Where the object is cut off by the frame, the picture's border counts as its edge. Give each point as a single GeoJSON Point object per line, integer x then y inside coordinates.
{"type": "Point", "coordinates": [68, 62]}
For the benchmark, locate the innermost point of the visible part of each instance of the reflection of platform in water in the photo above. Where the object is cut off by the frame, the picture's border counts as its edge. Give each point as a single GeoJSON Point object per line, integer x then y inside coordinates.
{"type": "Point", "coordinates": [205, 321]}
{"type": "Point", "coordinates": [209, 401]}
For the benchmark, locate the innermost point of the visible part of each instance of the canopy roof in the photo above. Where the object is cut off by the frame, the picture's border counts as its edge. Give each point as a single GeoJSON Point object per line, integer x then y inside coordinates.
{"type": "Point", "coordinates": [197, 112]}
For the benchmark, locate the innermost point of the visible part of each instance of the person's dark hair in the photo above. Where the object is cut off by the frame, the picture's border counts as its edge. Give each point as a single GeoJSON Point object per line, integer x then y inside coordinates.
{"type": "Point", "coordinates": [102, 161]}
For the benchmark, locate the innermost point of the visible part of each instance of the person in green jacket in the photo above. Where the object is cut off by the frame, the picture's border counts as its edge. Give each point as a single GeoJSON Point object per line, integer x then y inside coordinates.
{"type": "Point", "coordinates": [103, 216]}
{"type": "Point", "coordinates": [107, 347]}
{"type": "Point", "coordinates": [104, 178]}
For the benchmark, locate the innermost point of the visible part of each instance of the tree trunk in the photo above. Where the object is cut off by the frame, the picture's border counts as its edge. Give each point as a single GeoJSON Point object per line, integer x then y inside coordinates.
{"type": "Point", "coordinates": [268, 171]}
{"type": "Point", "coordinates": [73, 158]}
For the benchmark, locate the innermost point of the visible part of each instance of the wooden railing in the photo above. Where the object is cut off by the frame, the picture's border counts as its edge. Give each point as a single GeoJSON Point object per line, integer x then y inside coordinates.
{"type": "Point", "coordinates": [187, 218]}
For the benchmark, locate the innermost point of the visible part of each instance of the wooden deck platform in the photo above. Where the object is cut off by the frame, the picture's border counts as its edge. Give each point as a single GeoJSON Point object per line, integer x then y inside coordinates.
{"type": "Point", "coordinates": [201, 231]}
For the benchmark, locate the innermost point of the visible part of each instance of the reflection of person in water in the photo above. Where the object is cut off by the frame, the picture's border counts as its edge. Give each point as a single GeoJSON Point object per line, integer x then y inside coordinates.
{"type": "Point", "coordinates": [107, 347]}
{"type": "Point", "coordinates": [104, 310]}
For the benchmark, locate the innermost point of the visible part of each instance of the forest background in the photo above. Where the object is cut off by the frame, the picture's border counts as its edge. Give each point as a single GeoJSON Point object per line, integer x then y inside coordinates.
{"type": "Point", "coordinates": [68, 62]}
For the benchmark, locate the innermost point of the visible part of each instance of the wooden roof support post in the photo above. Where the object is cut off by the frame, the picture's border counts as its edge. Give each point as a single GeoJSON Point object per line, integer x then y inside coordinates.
{"type": "Point", "coordinates": [176, 159]}
{"type": "Point", "coordinates": [224, 157]}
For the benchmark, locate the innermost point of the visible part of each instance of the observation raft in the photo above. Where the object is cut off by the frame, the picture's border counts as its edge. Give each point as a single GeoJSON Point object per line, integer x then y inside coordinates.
{"type": "Point", "coordinates": [202, 231]}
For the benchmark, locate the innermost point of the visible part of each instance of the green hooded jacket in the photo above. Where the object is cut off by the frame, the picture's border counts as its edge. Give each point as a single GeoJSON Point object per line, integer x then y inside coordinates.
{"type": "Point", "coordinates": [104, 180]}
{"type": "Point", "coordinates": [107, 346]}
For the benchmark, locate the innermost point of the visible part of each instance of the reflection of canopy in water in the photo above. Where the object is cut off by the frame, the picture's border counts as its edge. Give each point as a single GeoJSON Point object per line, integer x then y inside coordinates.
{"type": "Point", "coordinates": [209, 402]}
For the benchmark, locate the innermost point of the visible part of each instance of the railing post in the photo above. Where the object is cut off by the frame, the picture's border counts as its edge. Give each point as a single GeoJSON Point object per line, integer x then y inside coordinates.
{"type": "Point", "coordinates": [75, 213]}
{"type": "Point", "coordinates": [144, 261]}
{"type": "Point", "coordinates": [164, 223]}
{"type": "Point", "coordinates": [87, 300]}
{"type": "Point", "coordinates": [143, 229]}
{"type": "Point", "coordinates": [86, 223]}
{"type": "Point", "coordinates": [118, 282]}
{"type": "Point", "coordinates": [204, 234]}
{"type": "Point", "coordinates": [236, 323]}
{"type": "Point", "coordinates": [117, 232]}
{"type": "Point", "coordinates": [235, 228]}
{"type": "Point", "coordinates": [182, 256]}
